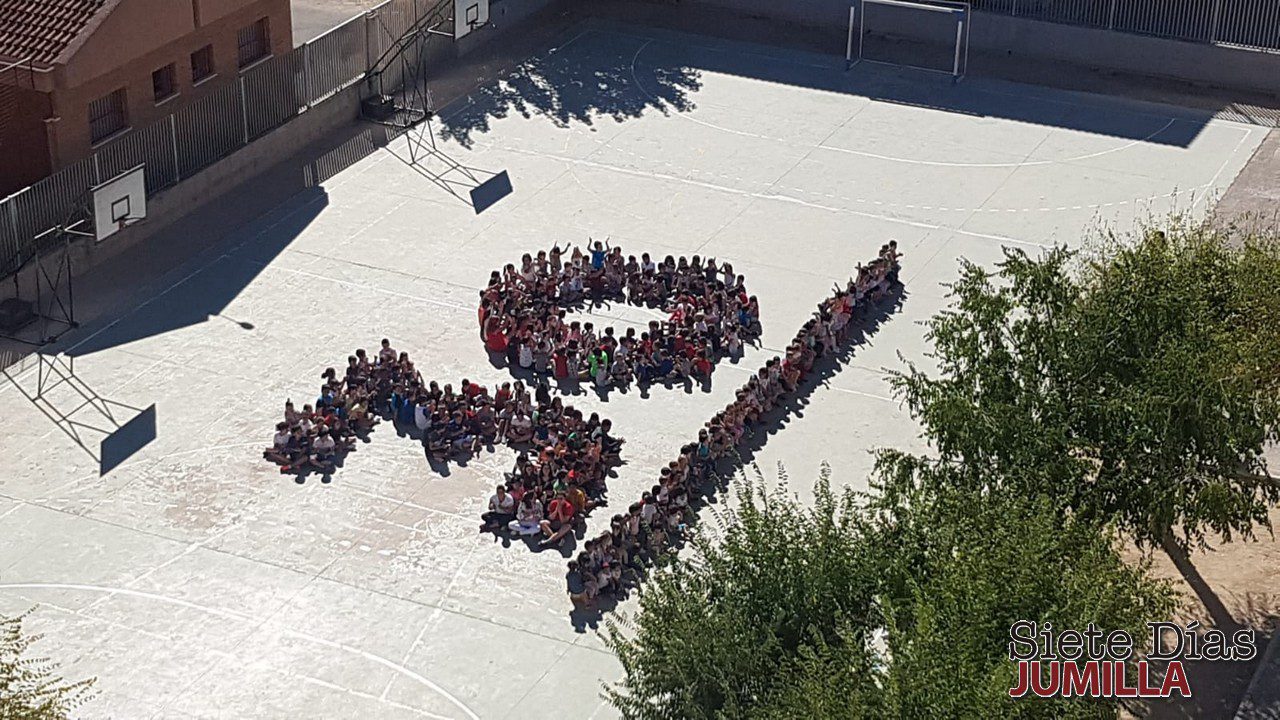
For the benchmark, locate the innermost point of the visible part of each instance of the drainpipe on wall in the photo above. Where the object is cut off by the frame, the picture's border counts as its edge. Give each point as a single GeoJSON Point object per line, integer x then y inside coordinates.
{"type": "Point", "coordinates": [51, 142]}
{"type": "Point", "coordinates": [52, 125]}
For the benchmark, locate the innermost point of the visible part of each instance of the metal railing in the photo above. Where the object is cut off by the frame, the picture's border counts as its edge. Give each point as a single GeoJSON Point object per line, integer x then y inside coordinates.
{"type": "Point", "coordinates": [209, 129]}
{"type": "Point", "coordinates": [1253, 24]}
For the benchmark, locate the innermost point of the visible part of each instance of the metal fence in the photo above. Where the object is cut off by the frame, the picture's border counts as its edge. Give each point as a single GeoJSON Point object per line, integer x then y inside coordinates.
{"type": "Point", "coordinates": [202, 132]}
{"type": "Point", "coordinates": [1253, 24]}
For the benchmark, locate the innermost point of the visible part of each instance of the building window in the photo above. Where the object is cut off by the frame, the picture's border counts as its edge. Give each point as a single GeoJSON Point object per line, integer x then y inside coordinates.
{"type": "Point", "coordinates": [107, 116]}
{"type": "Point", "coordinates": [164, 82]}
{"type": "Point", "coordinates": [202, 64]}
{"type": "Point", "coordinates": [254, 42]}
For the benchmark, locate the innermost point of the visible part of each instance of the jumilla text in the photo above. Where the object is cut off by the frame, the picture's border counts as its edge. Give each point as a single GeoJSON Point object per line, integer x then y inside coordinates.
{"type": "Point", "coordinates": [1094, 663]}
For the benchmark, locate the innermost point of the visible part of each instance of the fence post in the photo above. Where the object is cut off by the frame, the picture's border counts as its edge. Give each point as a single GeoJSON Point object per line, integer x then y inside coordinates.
{"type": "Point", "coordinates": [97, 172]}
{"type": "Point", "coordinates": [368, 40]}
{"type": "Point", "coordinates": [1111, 18]}
{"type": "Point", "coordinates": [244, 110]}
{"type": "Point", "coordinates": [13, 222]}
{"type": "Point", "coordinates": [173, 139]}
{"type": "Point", "coordinates": [1015, 8]}
{"type": "Point", "coordinates": [1213, 24]}
{"type": "Point", "coordinates": [306, 73]}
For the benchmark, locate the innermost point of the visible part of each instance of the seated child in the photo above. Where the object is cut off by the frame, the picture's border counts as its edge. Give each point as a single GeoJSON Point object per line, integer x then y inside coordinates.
{"type": "Point", "coordinates": [528, 517]}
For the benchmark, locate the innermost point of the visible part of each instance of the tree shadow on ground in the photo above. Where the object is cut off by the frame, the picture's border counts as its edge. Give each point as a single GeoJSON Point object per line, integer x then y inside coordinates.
{"type": "Point", "coordinates": [1217, 686]}
{"type": "Point", "coordinates": [608, 70]}
{"type": "Point", "coordinates": [597, 80]}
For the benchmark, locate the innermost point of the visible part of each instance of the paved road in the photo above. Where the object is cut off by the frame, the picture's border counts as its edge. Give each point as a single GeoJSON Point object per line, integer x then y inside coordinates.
{"type": "Point", "coordinates": [314, 17]}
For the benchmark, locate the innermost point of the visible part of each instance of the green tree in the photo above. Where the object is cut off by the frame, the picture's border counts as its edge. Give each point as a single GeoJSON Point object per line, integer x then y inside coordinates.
{"type": "Point", "coordinates": [885, 606]}
{"type": "Point", "coordinates": [961, 565]}
{"type": "Point", "coordinates": [29, 686]}
{"type": "Point", "coordinates": [1152, 365]}
{"type": "Point", "coordinates": [716, 625]}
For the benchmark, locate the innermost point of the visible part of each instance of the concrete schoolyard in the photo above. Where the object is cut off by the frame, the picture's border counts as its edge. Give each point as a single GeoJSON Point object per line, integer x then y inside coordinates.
{"type": "Point", "coordinates": [196, 581]}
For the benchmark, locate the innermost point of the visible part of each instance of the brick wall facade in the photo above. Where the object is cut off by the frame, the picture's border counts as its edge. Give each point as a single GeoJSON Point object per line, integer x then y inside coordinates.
{"type": "Point", "coordinates": [23, 142]}
{"type": "Point", "coordinates": [136, 39]}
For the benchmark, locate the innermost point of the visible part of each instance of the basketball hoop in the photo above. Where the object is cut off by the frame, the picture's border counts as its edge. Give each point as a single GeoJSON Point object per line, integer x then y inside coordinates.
{"type": "Point", "coordinates": [469, 16]}
{"type": "Point", "coordinates": [119, 202]}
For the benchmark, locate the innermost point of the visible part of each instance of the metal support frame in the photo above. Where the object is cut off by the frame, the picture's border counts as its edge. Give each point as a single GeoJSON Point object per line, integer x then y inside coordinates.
{"type": "Point", "coordinates": [408, 54]}
{"type": "Point", "coordinates": [415, 106]}
{"type": "Point", "coordinates": [55, 306]}
{"type": "Point", "coordinates": [54, 279]}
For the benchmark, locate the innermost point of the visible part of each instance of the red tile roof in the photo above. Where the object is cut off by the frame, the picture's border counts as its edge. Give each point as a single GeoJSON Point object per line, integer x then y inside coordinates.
{"type": "Point", "coordinates": [41, 29]}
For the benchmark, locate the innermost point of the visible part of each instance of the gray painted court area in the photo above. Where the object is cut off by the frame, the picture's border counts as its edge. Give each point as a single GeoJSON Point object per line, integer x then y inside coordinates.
{"type": "Point", "coordinates": [196, 581]}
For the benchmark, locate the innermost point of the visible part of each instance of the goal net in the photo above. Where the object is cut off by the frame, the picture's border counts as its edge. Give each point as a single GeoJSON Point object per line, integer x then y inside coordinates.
{"type": "Point", "coordinates": [928, 35]}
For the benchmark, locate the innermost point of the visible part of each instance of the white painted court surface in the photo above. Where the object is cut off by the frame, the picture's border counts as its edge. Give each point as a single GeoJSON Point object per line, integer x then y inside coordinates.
{"type": "Point", "coordinates": [197, 581]}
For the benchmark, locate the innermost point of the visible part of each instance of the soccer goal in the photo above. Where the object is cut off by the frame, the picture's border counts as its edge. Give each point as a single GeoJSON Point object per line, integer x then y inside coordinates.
{"type": "Point", "coordinates": [934, 23]}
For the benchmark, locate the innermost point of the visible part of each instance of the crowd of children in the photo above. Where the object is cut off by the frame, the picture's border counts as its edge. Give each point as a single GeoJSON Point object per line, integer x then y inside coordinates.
{"type": "Point", "coordinates": [564, 456]}
{"type": "Point", "coordinates": [611, 562]}
{"type": "Point", "coordinates": [709, 315]}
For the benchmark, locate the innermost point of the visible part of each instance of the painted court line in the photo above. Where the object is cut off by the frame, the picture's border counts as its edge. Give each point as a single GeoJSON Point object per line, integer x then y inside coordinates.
{"type": "Point", "coordinates": [243, 618]}
{"type": "Point", "coordinates": [778, 197]}
{"type": "Point", "coordinates": [1248, 133]}
{"type": "Point", "coordinates": [1024, 163]}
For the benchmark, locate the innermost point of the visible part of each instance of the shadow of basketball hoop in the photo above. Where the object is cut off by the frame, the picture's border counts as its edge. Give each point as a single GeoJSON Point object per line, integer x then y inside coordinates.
{"type": "Point", "coordinates": [480, 189]}
{"type": "Point", "coordinates": [116, 429]}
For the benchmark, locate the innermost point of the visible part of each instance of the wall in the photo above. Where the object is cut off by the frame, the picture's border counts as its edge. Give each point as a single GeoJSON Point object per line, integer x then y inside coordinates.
{"type": "Point", "coordinates": [112, 47]}
{"type": "Point", "coordinates": [131, 29]}
{"type": "Point", "coordinates": [23, 142]}
{"type": "Point", "coordinates": [1191, 62]}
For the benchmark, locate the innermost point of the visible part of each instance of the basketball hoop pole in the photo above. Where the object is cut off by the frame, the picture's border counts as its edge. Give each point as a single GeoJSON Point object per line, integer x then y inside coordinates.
{"type": "Point", "coordinates": [955, 70]}
{"type": "Point", "coordinates": [848, 45]}
{"type": "Point", "coordinates": [862, 25]}
{"type": "Point", "coordinates": [71, 285]}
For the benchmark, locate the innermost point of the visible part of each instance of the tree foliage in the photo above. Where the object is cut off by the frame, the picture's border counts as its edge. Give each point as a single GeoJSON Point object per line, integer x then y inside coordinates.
{"type": "Point", "coordinates": [29, 686]}
{"type": "Point", "coordinates": [962, 565]}
{"type": "Point", "coordinates": [891, 605]}
{"type": "Point", "coordinates": [1153, 365]}
{"type": "Point", "coordinates": [714, 628]}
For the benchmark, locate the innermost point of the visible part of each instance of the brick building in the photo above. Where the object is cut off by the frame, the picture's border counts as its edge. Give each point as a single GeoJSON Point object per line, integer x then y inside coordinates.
{"type": "Point", "coordinates": [76, 73]}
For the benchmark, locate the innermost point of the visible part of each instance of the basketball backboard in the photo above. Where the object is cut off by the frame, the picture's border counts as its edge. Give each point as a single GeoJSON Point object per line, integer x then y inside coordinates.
{"type": "Point", "coordinates": [119, 202]}
{"type": "Point", "coordinates": [469, 15]}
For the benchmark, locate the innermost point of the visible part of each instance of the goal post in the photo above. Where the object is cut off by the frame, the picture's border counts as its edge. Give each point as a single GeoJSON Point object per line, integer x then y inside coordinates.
{"type": "Point", "coordinates": [954, 34]}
